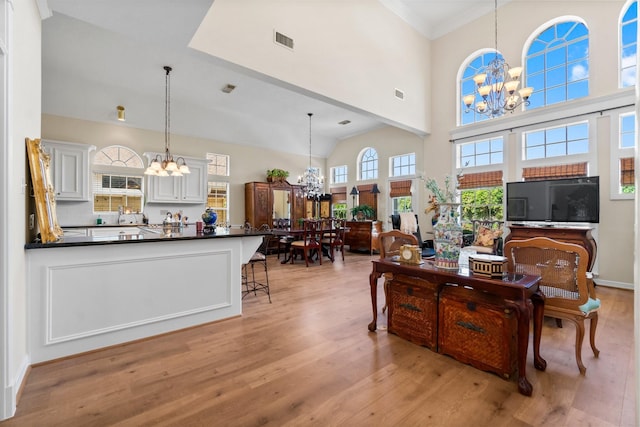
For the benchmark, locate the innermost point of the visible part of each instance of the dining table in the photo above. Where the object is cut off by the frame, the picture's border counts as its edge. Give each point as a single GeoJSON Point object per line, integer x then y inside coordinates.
{"type": "Point", "coordinates": [292, 234]}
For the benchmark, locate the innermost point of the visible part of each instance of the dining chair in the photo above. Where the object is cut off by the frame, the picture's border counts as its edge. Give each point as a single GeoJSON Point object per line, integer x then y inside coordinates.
{"type": "Point", "coordinates": [310, 242]}
{"type": "Point", "coordinates": [390, 243]}
{"type": "Point", "coordinates": [570, 293]}
{"type": "Point", "coordinates": [333, 237]}
{"type": "Point", "coordinates": [250, 284]}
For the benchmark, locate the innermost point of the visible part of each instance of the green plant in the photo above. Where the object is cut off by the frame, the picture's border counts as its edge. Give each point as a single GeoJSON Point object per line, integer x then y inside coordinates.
{"type": "Point", "coordinates": [366, 210]}
{"type": "Point", "coordinates": [277, 173]}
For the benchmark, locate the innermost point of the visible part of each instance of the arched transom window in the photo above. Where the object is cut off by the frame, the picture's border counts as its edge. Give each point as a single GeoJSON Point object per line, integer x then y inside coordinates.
{"type": "Point", "coordinates": [369, 164]}
{"type": "Point", "coordinates": [557, 64]}
{"type": "Point", "coordinates": [117, 180]}
{"type": "Point", "coordinates": [467, 86]}
{"type": "Point", "coordinates": [629, 45]}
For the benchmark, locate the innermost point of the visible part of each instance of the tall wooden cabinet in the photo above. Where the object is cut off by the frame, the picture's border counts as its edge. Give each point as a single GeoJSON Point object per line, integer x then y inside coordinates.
{"type": "Point", "coordinates": [259, 198]}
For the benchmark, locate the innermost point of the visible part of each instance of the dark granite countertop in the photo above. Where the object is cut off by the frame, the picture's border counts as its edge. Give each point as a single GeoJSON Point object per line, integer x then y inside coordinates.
{"type": "Point", "coordinates": [147, 234]}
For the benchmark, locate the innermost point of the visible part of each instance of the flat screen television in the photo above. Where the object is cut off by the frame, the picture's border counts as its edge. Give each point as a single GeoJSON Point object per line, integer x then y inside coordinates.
{"type": "Point", "coordinates": [557, 200]}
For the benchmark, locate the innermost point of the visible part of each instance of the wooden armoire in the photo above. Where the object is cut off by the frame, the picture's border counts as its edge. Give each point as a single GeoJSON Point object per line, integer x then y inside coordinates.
{"type": "Point", "coordinates": [259, 199]}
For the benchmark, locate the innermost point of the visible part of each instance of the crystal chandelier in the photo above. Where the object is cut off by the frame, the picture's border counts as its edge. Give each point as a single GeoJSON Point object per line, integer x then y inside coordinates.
{"type": "Point", "coordinates": [311, 181]}
{"type": "Point", "coordinates": [167, 166]}
{"type": "Point", "coordinates": [496, 85]}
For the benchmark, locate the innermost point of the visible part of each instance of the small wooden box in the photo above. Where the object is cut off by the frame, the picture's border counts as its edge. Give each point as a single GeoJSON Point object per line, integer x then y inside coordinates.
{"type": "Point", "coordinates": [413, 310]}
{"type": "Point", "coordinates": [477, 329]}
{"type": "Point", "coordinates": [487, 265]}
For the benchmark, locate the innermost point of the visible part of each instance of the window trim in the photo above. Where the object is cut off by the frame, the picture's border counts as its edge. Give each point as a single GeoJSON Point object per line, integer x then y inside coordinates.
{"type": "Point", "coordinates": [623, 11]}
{"type": "Point", "coordinates": [618, 153]}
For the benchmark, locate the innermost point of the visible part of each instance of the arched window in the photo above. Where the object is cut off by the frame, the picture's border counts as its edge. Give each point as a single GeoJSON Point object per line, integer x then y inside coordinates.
{"type": "Point", "coordinates": [467, 86]}
{"type": "Point", "coordinates": [118, 174]}
{"type": "Point", "coordinates": [628, 44]}
{"type": "Point", "coordinates": [557, 64]}
{"type": "Point", "coordinates": [368, 164]}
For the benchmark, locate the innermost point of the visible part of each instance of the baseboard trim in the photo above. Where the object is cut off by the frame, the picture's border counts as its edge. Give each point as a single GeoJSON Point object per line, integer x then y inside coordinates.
{"type": "Point", "coordinates": [612, 284]}
{"type": "Point", "coordinates": [14, 390]}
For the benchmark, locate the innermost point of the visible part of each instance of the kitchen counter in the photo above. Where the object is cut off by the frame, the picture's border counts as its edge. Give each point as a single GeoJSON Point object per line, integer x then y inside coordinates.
{"type": "Point", "coordinates": [138, 234]}
{"type": "Point", "coordinates": [89, 292]}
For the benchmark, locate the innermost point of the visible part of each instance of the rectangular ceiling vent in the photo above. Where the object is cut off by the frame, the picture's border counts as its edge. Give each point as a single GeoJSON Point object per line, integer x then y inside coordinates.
{"type": "Point", "coordinates": [283, 40]}
{"type": "Point", "coordinates": [399, 94]}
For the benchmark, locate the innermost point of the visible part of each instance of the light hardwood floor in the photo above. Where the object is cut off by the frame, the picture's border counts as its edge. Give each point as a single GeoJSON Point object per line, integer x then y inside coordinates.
{"type": "Point", "coordinates": [308, 359]}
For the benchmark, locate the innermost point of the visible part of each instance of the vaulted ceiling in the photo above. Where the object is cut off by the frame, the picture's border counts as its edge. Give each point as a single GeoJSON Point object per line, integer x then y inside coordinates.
{"type": "Point", "coordinates": [98, 54]}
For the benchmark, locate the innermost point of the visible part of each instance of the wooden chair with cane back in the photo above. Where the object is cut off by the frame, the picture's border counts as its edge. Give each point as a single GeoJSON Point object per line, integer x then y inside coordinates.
{"type": "Point", "coordinates": [569, 292]}
{"type": "Point", "coordinates": [390, 243]}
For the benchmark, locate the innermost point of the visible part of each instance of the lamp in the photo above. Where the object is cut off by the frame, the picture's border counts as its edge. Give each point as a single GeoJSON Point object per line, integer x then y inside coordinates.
{"type": "Point", "coordinates": [311, 181]}
{"type": "Point", "coordinates": [166, 166]}
{"type": "Point", "coordinates": [375, 191]}
{"type": "Point", "coordinates": [496, 85]}
{"type": "Point", "coordinates": [120, 109]}
{"type": "Point", "coordinates": [354, 192]}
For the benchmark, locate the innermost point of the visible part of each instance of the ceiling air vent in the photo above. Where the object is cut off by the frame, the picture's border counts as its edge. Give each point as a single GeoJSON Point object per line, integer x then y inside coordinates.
{"type": "Point", "coordinates": [283, 40]}
{"type": "Point", "coordinates": [399, 94]}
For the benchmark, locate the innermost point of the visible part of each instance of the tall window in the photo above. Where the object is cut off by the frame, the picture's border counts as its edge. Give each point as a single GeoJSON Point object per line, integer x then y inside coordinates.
{"type": "Point", "coordinates": [481, 203]}
{"type": "Point", "coordinates": [624, 156]}
{"type": "Point", "coordinates": [339, 202]}
{"type": "Point", "coordinates": [467, 87]}
{"type": "Point", "coordinates": [400, 194]}
{"type": "Point", "coordinates": [629, 45]}
{"type": "Point", "coordinates": [557, 141]}
{"type": "Point", "coordinates": [558, 64]}
{"type": "Point", "coordinates": [218, 164]}
{"type": "Point", "coordinates": [403, 165]}
{"type": "Point", "coordinates": [217, 198]}
{"type": "Point", "coordinates": [369, 164]}
{"type": "Point", "coordinates": [338, 174]}
{"type": "Point", "coordinates": [117, 180]}
{"type": "Point", "coordinates": [481, 153]}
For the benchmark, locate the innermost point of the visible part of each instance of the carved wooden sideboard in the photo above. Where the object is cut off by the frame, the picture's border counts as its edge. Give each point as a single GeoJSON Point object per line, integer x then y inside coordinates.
{"type": "Point", "coordinates": [363, 236]}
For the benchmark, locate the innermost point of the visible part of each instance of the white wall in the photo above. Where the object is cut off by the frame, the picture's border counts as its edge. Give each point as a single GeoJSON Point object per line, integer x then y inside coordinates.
{"type": "Point", "coordinates": [23, 121]}
{"type": "Point", "coordinates": [247, 163]}
{"type": "Point", "coordinates": [354, 52]}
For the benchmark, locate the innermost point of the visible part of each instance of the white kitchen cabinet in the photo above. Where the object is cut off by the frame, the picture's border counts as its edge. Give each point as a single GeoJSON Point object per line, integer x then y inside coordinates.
{"type": "Point", "coordinates": [189, 188]}
{"type": "Point", "coordinates": [69, 169]}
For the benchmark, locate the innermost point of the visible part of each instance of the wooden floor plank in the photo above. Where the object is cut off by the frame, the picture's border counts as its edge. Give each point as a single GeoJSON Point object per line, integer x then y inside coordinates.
{"type": "Point", "coordinates": [307, 359]}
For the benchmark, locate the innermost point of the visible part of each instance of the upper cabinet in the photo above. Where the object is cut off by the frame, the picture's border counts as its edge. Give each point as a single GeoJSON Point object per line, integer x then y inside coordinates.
{"type": "Point", "coordinates": [189, 188]}
{"type": "Point", "coordinates": [70, 169]}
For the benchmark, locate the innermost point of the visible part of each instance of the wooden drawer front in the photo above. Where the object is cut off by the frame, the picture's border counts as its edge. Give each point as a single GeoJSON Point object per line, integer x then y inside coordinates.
{"type": "Point", "coordinates": [413, 310]}
{"type": "Point", "coordinates": [476, 329]}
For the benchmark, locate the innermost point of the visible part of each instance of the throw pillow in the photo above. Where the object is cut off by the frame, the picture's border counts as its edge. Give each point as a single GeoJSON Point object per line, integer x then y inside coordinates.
{"type": "Point", "coordinates": [485, 236]}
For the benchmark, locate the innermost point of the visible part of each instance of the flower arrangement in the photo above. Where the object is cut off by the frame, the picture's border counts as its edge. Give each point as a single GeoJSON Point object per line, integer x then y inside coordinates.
{"type": "Point", "coordinates": [439, 195]}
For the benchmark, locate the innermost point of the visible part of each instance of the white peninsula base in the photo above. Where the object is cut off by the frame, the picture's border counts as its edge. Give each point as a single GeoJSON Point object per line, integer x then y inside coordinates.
{"type": "Point", "coordinates": [83, 298]}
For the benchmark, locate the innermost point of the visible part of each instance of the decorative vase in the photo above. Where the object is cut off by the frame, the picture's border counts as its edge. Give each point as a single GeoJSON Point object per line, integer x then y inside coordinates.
{"type": "Point", "coordinates": [448, 237]}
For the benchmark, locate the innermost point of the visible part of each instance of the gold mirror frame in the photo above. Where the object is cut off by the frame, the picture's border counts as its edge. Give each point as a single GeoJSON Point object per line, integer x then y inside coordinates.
{"type": "Point", "coordinates": [39, 165]}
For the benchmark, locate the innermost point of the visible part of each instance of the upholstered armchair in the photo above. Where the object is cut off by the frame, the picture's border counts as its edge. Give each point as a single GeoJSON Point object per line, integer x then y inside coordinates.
{"type": "Point", "coordinates": [486, 237]}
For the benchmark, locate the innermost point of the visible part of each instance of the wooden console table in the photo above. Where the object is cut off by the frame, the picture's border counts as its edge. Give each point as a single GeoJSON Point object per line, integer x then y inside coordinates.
{"type": "Point", "coordinates": [515, 292]}
{"type": "Point", "coordinates": [576, 235]}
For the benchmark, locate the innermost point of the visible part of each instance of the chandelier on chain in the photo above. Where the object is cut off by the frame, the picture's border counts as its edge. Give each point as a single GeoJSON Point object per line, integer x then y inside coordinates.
{"type": "Point", "coordinates": [496, 85]}
{"type": "Point", "coordinates": [166, 166]}
{"type": "Point", "coordinates": [311, 180]}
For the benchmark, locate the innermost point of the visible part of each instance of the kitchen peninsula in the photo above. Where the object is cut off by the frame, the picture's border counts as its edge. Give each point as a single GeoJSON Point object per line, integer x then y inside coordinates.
{"type": "Point", "coordinates": [89, 292]}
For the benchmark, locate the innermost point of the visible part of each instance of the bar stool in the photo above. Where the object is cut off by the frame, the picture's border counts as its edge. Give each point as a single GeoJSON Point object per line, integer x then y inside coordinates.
{"type": "Point", "coordinates": [249, 282]}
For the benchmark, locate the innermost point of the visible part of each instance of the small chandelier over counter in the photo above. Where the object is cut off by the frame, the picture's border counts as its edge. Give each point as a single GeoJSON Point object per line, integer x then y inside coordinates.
{"type": "Point", "coordinates": [166, 166]}
{"type": "Point", "coordinates": [496, 85]}
{"type": "Point", "coordinates": [311, 181]}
